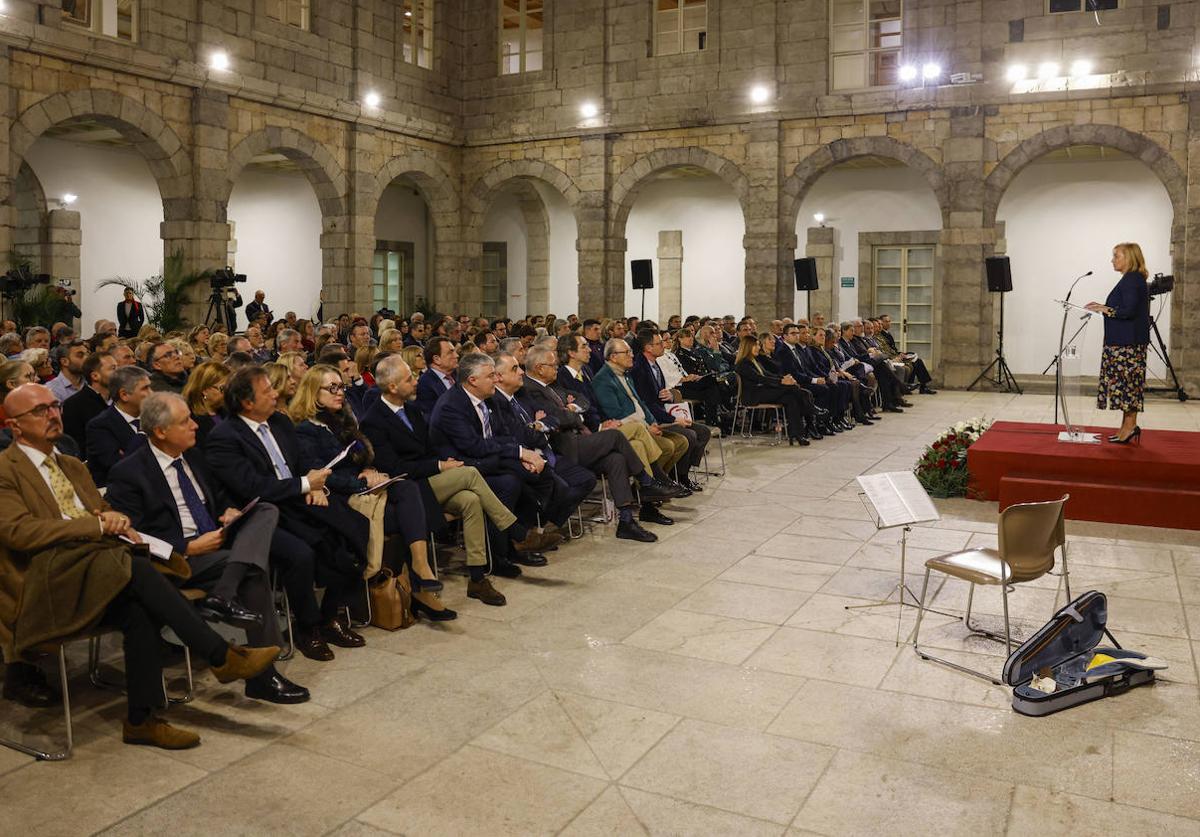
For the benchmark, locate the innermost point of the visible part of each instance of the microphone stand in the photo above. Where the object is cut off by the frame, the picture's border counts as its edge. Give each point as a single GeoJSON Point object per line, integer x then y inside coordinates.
{"type": "Point", "coordinates": [1057, 362]}
{"type": "Point", "coordinates": [1071, 433]}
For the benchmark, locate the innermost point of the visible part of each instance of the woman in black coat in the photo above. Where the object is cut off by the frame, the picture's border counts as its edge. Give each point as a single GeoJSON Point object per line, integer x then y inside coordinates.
{"type": "Point", "coordinates": [762, 384]}
{"type": "Point", "coordinates": [1126, 314]}
{"type": "Point", "coordinates": [324, 427]}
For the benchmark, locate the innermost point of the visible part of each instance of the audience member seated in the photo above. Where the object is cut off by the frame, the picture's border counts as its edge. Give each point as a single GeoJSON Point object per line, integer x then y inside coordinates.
{"type": "Point", "coordinates": [792, 357]}
{"type": "Point", "coordinates": [762, 384]}
{"type": "Point", "coordinates": [40, 360]}
{"type": "Point", "coordinates": [70, 375]}
{"type": "Point", "coordinates": [910, 359]}
{"type": "Point", "coordinates": [218, 346]}
{"type": "Point", "coordinates": [283, 384]}
{"type": "Point", "coordinates": [695, 381]}
{"type": "Point", "coordinates": [414, 358]}
{"type": "Point", "coordinates": [14, 373]}
{"type": "Point", "coordinates": [441, 360]}
{"type": "Point", "coordinates": [117, 430]}
{"type": "Point", "coordinates": [205, 396]}
{"type": "Point", "coordinates": [90, 401]}
{"type": "Point", "coordinates": [852, 394]}
{"type": "Point", "coordinates": [166, 367]}
{"type": "Point", "coordinates": [890, 388]}
{"type": "Point", "coordinates": [165, 489]}
{"type": "Point", "coordinates": [651, 385]}
{"type": "Point", "coordinates": [63, 570]}
{"type": "Point", "coordinates": [254, 453]}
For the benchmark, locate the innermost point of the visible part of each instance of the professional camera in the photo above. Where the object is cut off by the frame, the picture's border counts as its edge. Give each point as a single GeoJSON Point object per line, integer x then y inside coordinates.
{"type": "Point", "coordinates": [1161, 284]}
{"type": "Point", "coordinates": [64, 288]}
{"type": "Point", "coordinates": [20, 279]}
{"type": "Point", "coordinates": [225, 278]}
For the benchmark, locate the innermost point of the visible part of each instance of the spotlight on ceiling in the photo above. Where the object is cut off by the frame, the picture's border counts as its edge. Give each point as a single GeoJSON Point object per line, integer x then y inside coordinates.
{"type": "Point", "coordinates": [372, 99]}
{"type": "Point", "coordinates": [930, 71]}
{"type": "Point", "coordinates": [1016, 72]}
{"type": "Point", "coordinates": [759, 94]}
{"type": "Point", "coordinates": [908, 72]}
{"type": "Point", "coordinates": [1047, 69]}
{"type": "Point", "coordinates": [1082, 67]}
{"type": "Point", "coordinates": [219, 60]}
{"type": "Point", "coordinates": [589, 110]}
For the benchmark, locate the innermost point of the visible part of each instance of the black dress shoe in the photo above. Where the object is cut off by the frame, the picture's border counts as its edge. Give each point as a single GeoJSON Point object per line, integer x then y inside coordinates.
{"type": "Point", "coordinates": [229, 611]}
{"type": "Point", "coordinates": [335, 633]}
{"type": "Point", "coordinates": [506, 569]}
{"type": "Point", "coordinates": [310, 644]}
{"type": "Point", "coordinates": [658, 491]}
{"type": "Point", "coordinates": [691, 485]}
{"type": "Point", "coordinates": [631, 530]}
{"type": "Point", "coordinates": [529, 559]}
{"type": "Point", "coordinates": [865, 420]}
{"type": "Point", "coordinates": [892, 410]}
{"type": "Point", "coordinates": [275, 688]}
{"type": "Point", "coordinates": [26, 685]}
{"type": "Point", "coordinates": [433, 614]}
{"type": "Point", "coordinates": [799, 440]}
{"type": "Point", "coordinates": [649, 514]}
{"type": "Point", "coordinates": [928, 391]}
{"type": "Point", "coordinates": [905, 403]}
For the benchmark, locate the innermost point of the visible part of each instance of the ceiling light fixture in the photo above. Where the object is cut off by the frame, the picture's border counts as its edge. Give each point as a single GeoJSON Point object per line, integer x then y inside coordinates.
{"type": "Point", "coordinates": [930, 71]}
{"type": "Point", "coordinates": [219, 60]}
{"type": "Point", "coordinates": [908, 72]}
{"type": "Point", "coordinates": [372, 99]}
{"type": "Point", "coordinates": [1016, 72]}
{"type": "Point", "coordinates": [819, 217]}
{"type": "Point", "coordinates": [759, 94]}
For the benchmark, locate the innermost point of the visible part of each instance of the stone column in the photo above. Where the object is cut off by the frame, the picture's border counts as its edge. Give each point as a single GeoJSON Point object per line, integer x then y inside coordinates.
{"type": "Point", "coordinates": [1185, 254]}
{"type": "Point", "coordinates": [601, 259]}
{"type": "Point", "coordinates": [348, 244]}
{"type": "Point", "coordinates": [62, 251]}
{"type": "Point", "coordinates": [537, 248]}
{"type": "Point", "coordinates": [670, 274]}
{"type": "Point", "coordinates": [768, 260]}
{"type": "Point", "coordinates": [822, 246]}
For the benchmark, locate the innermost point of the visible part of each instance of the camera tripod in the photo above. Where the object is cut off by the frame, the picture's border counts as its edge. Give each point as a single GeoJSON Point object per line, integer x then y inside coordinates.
{"type": "Point", "coordinates": [1159, 347]}
{"type": "Point", "coordinates": [219, 311]}
{"type": "Point", "coordinates": [1002, 377]}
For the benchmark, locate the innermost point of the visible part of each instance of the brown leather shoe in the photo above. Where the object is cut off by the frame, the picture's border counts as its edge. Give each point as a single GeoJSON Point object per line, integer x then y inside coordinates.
{"type": "Point", "coordinates": [486, 593]}
{"type": "Point", "coordinates": [537, 541]}
{"type": "Point", "coordinates": [243, 663]}
{"type": "Point", "coordinates": [310, 644]}
{"type": "Point", "coordinates": [155, 732]}
{"type": "Point", "coordinates": [339, 634]}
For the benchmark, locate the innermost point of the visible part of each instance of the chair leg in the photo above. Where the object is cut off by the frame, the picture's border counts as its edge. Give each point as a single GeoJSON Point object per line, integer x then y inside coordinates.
{"type": "Point", "coordinates": [191, 685]}
{"type": "Point", "coordinates": [52, 755]}
{"type": "Point", "coordinates": [920, 612]}
{"type": "Point", "coordinates": [1007, 630]}
{"type": "Point", "coordinates": [924, 655]}
{"type": "Point", "coordinates": [290, 651]}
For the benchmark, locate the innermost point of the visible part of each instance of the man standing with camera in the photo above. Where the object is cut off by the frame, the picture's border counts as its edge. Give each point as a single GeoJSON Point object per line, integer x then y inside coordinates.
{"type": "Point", "coordinates": [65, 309]}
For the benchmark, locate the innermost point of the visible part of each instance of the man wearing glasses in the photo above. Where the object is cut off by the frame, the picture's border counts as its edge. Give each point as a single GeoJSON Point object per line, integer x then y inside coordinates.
{"type": "Point", "coordinates": [166, 366]}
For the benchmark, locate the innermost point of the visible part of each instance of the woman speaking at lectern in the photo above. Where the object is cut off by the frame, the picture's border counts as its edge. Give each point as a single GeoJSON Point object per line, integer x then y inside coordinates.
{"type": "Point", "coordinates": [1126, 335]}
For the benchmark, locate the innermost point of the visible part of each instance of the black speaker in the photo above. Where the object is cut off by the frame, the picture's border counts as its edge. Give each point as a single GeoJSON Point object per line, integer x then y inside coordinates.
{"type": "Point", "coordinates": [999, 274]}
{"type": "Point", "coordinates": [806, 274]}
{"type": "Point", "coordinates": [643, 274]}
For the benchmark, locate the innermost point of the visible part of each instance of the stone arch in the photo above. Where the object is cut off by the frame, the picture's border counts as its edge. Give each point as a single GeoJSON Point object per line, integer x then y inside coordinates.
{"type": "Point", "coordinates": [493, 182]}
{"type": "Point", "coordinates": [426, 172]}
{"type": "Point", "coordinates": [154, 139]}
{"type": "Point", "coordinates": [812, 167]}
{"type": "Point", "coordinates": [636, 176]}
{"type": "Point", "coordinates": [29, 202]}
{"type": "Point", "coordinates": [1153, 155]}
{"type": "Point", "coordinates": [318, 164]}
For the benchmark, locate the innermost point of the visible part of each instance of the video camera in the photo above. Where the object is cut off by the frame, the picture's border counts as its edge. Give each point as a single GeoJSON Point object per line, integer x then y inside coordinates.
{"type": "Point", "coordinates": [225, 278]}
{"type": "Point", "coordinates": [20, 279]}
{"type": "Point", "coordinates": [1161, 284]}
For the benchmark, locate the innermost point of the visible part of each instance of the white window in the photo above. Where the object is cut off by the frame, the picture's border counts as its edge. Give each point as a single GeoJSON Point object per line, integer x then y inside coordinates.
{"type": "Point", "coordinates": [864, 43]}
{"type": "Point", "coordinates": [416, 32]}
{"type": "Point", "coordinates": [495, 279]}
{"type": "Point", "coordinates": [289, 12]}
{"type": "Point", "coordinates": [1057, 6]}
{"type": "Point", "coordinates": [114, 18]}
{"type": "Point", "coordinates": [680, 26]}
{"type": "Point", "coordinates": [521, 44]}
{"type": "Point", "coordinates": [904, 291]}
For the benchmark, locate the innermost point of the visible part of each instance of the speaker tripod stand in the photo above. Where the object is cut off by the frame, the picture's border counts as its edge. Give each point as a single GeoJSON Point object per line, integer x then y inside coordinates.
{"type": "Point", "coordinates": [997, 372]}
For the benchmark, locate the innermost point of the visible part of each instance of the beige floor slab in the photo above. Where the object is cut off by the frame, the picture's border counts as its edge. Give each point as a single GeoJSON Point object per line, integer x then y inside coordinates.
{"type": "Point", "coordinates": [845, 615]}
{"type": "Point", "coordinates": [354, 828]}
{"type": "Point", "coordinates": [609, 611]}
{"type": "Point", "coordinates": [745, 601]}
{"type": "Point", "coordinates": [277, 788]}
{"type": "Point", "coordinates": [748, 773]}
{"type": "Point", "coordinates": [806, 576]}
{"type": "Point", "coordinates": [476, 791]}
{"type": "Point", "coordinates": [1059, 814]}
{"type": "Point", "coordinates": [809, 548]}
{"type": "Point", "coordinates": [617, 734]}
{"type": "Point", "coordinates": [542, 731]}
{"type": "Point", "coordinates": [863, 794]}
{"type": "Point", "coordinates": [1158, 773]}
{"type": "Point", "coordinates": [629, 811]}
{"type": "Point", "coordinates": [824, 656]}
{"type": "Point", "coordinates": [701, 635]}
{"type": "Point", "coordinates": [815, 526]}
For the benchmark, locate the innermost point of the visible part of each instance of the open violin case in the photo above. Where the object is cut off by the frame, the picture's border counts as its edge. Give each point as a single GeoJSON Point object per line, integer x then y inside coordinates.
{"type": "Point", "coordinates": [1062, 649]}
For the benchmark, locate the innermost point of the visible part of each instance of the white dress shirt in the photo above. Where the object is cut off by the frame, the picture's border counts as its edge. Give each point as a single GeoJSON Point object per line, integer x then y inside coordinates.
{"type": "Point", "coordinates": [254, 425]}
{"type": "Point", "coordinates": [185, 514]}
{"type": "Point", "coordinates": [39, 462]}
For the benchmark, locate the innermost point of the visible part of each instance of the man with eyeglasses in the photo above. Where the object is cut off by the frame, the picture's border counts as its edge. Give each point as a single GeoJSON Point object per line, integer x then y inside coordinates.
{"type": "Point", "coordinates": [167, 373]}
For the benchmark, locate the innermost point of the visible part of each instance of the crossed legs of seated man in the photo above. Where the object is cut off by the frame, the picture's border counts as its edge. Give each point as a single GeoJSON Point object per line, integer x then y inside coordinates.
{"type": "Point", "coordinates": [608, 452]}
{"type": "Point", "coordinates": [697, 436]}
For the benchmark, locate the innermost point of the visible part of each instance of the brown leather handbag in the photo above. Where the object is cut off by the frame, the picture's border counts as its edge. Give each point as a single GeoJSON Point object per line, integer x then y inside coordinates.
{"type": "Point", "coordinates": [391, 600]}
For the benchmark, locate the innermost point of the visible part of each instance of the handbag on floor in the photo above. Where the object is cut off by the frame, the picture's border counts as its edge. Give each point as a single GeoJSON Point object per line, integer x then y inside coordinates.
{"type": "Point", "coordinates": [1062, 666]}
{"type": "Point", "coordinates": [391, 600]}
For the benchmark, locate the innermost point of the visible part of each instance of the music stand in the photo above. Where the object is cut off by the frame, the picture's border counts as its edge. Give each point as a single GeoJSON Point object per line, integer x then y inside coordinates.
{"type": "Point", "coordinates": [896, 498]}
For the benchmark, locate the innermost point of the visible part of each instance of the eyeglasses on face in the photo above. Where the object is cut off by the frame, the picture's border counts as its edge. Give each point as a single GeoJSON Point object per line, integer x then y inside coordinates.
{"type": "Point", "coordinates": [334, 389]}
{"type": "Point", "coordinates": [41, 410]}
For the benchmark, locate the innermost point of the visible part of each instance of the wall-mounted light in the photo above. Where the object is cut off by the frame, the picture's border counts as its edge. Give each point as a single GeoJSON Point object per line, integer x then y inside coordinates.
{"type": "Point", "coordinates": [931, 71]}
{"type": "Point", "coordinates": [819, 217]}
{"type": "Point", "coordinates": [219, 60]}
{"type": "Point", "coordinates": [759, 94]}
{"type": "Point", "coordinates": [589, 110]}
{"type": "Point", "coordinates": [1016, 72]}
{"type": "Point", "coordinates": [1047, 69]}
{"type": "Point", "coordinates": [908, 72]}
{"type": "Point", "coordinates": [372, 100]}
{"type": "Point", "coordinates": [1082, 67]}
{"type": "Point", "coordinates": [67, 200]}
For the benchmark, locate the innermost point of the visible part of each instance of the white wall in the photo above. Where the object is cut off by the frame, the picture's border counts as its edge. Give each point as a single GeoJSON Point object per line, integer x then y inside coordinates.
{"type": "Point", "coordinates": [403, 216]}
{"type": "Point", "coordinates": [1062, 219]}
{"type": "Point", "coordinates": [120, 211]}
{"type": "Point", "coordinates": [714, 260]}
{"type": "Point", "coordinates": [278, 233]}
{"type": "Point", "coordinates": [505, 222]}
{"type": "Point", "coordinates": [564, 256]}
{"type": "Point", "coordinates": [864, 200]}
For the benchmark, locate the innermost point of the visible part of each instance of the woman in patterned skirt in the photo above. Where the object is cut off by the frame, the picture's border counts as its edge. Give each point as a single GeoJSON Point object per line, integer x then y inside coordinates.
{"type": "Point", "coordinates": [1126, 336]}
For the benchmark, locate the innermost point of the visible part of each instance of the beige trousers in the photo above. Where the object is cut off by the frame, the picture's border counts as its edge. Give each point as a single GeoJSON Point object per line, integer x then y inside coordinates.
{"type": "Point", "coordinates": [464, 493]}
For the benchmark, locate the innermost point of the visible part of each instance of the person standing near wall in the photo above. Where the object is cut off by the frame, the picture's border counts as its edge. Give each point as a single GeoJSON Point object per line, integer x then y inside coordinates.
{"type": "Point", "coordinates": [1126, 314]}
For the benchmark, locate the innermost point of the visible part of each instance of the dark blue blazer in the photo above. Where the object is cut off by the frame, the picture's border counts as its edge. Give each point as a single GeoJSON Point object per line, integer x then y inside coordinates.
{"type": "Point", "coordinates": [242, 466]}
{"type": "Point", "coordinates": [457, 432]}
{"type": "Point", "coordinates": [584, 396]}
{"type": "Point", "coordinates": [794, 364]}
{"type": "Point", "coordinates": [647, 386]}
{"type": "Point", "coordinates": [319, 446]}
{"type": "Point", "coordinates": [511, 423]}
{"type": "Point", "coordinates": [109, 438]}
{"type": "Point", "coordinates": [1130, 323]}
{"type": "Point", "coordinates": [429, 390]}
{"type": "Point", "coordinates": [596, 361]}
{"type": "Point", "coordinates": [78, 410]}
{"type": "Point", "coordinates": [399, 450]}
{"type": "Point", "coordinates": [359, 398]}
{"type": "Point", "coordinates": [138, 487]}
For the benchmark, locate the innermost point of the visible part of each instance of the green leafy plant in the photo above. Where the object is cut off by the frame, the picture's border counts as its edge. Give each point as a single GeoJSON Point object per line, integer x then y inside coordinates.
{"type": "Point", "coordinates": [164, 295]}
{"type": "Point", "coordinates": [942, 468]}
{"type": "Point", "coordinates": [36, 306]}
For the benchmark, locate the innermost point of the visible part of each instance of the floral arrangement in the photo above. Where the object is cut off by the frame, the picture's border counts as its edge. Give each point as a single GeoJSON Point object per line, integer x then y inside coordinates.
{"type": "Point", "coordinates": [942, 468]}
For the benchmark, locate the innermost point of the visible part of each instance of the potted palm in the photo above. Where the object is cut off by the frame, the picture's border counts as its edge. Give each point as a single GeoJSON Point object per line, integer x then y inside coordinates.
{"type": "Point", "coordinates": [165, 295]}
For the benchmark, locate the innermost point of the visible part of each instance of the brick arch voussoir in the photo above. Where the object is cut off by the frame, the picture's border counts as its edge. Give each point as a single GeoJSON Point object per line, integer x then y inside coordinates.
{"type": "Point", "coordinates": [317, 163]}
{"type": "Point", "coordinates": [641, 171]}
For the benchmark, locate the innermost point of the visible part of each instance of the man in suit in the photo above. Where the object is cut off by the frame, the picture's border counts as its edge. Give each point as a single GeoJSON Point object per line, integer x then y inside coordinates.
{"type": "Point", "coordinates": [891, 384]}
{"type": "Point", "coordinates": [165, 488]}
{"type": "Point", "coordinates": [441, 363]}
{"type": "Point", "coordinates": [591, 334]}
{"type": "Point", "coordinates": [911, 359]}
{"type": "Point", "coordinates": [254, 453]}
{"type": "Point", "coordinates": [647, 378]}
{"type": "Point", "coordinates": [117, 430]}
{"type": "Point", "coordinates": [63, 570]}
{"type": "Point", "coordinates": [167, 373]}
{"type": "Point", "coordinates": [865, 370]}
{"type": "Point", "coordinates": [257, 308]}
{"type": "Point", "coordinates": [605, 452]}
{"type": "Point", "coordinates": [848, 393]}
{"type": "Point", "coordinates": [792, 356]}
{"type": "Point", "coordinates": [131, 316]}
{"type": "Point", "coordinates": [90, 401]}
{"type": "Point", "coordinates": [462, 428]}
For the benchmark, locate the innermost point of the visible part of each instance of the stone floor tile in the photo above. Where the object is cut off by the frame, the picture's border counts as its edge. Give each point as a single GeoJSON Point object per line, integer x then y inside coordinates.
{"type": "Point", "coordinates": [542, 731]}
{"type": "Point", "coordinates": [702, 635]}
{"type": "Point", "coordinates": [1158, 773]}
{"type": "Point", "coordinates": [846, 615]}
{"type": "Point", "coordinates": [607, 612]}
{"type": "Point", "coordinates": [806, 576]}
{"type": "Point", "coordinates": [814, 526]}
{"type": "Point", "coordinates": [809, 548]}
{"type": "Point", "coordinates": [824, 656]}
{"type": "Point", "coordinates": [1060, 814]}
{"type": "Point", "coordinates": [745, 601]}
{"type": "Point", "coordinates": [621, 810]}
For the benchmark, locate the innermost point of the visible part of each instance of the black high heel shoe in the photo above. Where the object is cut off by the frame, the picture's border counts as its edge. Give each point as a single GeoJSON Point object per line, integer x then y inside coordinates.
{"type": "Point", "coordinates": [427, 585]}
{"type": "Point", "coordinates": [799, 440]}
{"type": "Point", "coordinates": [1134, 435]}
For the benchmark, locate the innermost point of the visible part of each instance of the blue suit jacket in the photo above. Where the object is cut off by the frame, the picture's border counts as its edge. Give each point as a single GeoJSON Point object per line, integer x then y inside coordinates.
{"type": "Point", "coordinates": [1130, 323]}
{"type": "Point", "coordinates": [647, 386]}
{"type": "Point", "coordinates": [429, 390]}
{"type": "Point", "coordinates": [585, 396]}
{"type": "Point", "coordinates": [791, 364]}
{"type": "Point", "coordinates": [596, 361]}
{"type": "Point", "coordinates": [399, 450]}
{"type": "Point", "coordinates": [611, 399]}
{"type": "Point", "coordinates": [243, 467]}
{"type": "Point", "coordinates": [457, 432]}
{"type": "Point", "coordinates": [109, 438]}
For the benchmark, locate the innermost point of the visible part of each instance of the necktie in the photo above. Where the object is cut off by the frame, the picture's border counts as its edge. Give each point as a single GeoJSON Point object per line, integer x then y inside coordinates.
{"type": "Point", "coordinates": [281, 467]}
{"type": "Point", "coordinates": [487, 420]}
{"type": "Point", "coordinates": [136, 424]}
{"type": "Point", "coordinates": [64, 492]}
{"type": "Point", "coordinates": [403, 415]}
{"type": "Point", "coordinates": [193, 500]}
{"type": "Point", "coordinates": [525, 417]}
{"type": "Point", "coordinates": [554, 395]}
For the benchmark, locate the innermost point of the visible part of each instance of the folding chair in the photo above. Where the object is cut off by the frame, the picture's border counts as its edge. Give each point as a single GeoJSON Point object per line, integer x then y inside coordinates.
{"type": "Point", "coordinates": [746, 411]}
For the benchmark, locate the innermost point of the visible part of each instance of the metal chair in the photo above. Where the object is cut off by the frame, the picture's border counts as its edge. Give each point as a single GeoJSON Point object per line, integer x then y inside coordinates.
{"type": "Point", "coordinates": [1029, 535]}
{"type": "Point", "coordinates": [450, 518]}
{"type": "Point", "coordinates": [746, 411]}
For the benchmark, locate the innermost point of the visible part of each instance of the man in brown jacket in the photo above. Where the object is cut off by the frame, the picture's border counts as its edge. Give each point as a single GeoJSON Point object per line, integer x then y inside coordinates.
{"type": "Point", "coordinates": [68, 562]}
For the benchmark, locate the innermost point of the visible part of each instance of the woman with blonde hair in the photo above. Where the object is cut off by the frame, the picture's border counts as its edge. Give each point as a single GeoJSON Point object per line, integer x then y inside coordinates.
{"type": "Point", "coordinates": [414, 356]}
{"type": "Point", "coordinates": [204, 393]}
{"type": "Point", "coordinates": [218, 346]}
{"type": "Point", "coordinates": [186, 353]}
{"type": "Point", "coordinates": [198, 339]}
{"type": "Point", "coordinates": [1126, 314]}
{"type": "Point", "coordinates": [325, 425]}
{"type": "Point", "coordinates": [39, 359]}
{"type": "Point", "coordinates": [391, 340]}
{"type": "Point", "coordinates": [282, 382]}
{"type": "Point", "coordinates": [296, 362]}
{"type": "Point", "coordinates": [761, 384]}
{"type": "Point", "coordinates": [364, 359]}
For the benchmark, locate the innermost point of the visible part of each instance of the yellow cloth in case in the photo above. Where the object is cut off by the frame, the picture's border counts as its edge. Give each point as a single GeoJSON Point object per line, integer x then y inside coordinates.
{"type": "Point", "coordinates": [1099, 660]}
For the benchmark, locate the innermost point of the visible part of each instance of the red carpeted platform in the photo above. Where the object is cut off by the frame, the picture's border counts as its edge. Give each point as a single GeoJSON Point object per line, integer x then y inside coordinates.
{"type": "Point", "coordinates": [1156, 483]}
